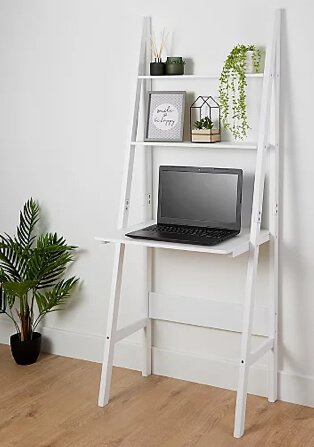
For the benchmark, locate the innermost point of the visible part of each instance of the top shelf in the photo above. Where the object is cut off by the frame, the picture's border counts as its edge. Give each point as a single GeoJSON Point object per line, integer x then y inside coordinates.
{"type": "Point", "coordinates": [209, 76]}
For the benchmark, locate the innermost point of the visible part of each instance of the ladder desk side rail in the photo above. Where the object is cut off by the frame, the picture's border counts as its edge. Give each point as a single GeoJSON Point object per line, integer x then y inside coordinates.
{"type": "Point", "coordinates": [114, 298]}
{"type": "Point", "coordinates": [259, 181]}
{"type": "Point", "coordinates": [273, 227]}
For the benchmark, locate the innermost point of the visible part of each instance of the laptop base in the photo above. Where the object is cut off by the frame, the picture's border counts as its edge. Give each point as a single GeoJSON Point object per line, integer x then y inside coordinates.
{"type": "Point", "coordinates": [182, 236]}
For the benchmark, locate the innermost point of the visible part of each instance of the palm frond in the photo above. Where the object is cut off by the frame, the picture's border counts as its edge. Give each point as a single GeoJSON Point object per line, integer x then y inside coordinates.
{"type": "Point", "coordinates": [17, 289]}
{"type": "Point", "coordinates": [11, 261]}
{"type": "Point", "coordinates": [49, 260]}
{"type": "Point", "coordinates": [54, 297]}
{"type": "Point", "coordinates": [28, 219]}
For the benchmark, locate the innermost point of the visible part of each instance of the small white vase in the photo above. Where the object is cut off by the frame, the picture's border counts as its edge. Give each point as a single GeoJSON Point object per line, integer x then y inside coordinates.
{"type": "Point", "coordinates": [249, 62]}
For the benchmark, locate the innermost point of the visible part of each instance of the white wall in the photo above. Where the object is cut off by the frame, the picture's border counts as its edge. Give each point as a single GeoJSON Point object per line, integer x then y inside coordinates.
{"type": "Point", "coordinates": [67, 81]}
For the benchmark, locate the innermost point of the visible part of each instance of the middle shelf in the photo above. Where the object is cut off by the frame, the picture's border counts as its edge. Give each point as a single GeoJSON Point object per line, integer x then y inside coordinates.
{"type": "Point", "coordinates": [221, 145]}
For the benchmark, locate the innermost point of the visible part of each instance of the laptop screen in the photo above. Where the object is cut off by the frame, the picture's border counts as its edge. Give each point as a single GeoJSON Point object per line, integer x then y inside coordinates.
{"type": "Point", "coordinates": [203, 197]}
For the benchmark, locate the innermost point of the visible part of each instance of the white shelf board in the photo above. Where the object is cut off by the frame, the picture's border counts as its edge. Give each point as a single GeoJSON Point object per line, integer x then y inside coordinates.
{"type": "Point", "coordinates": [222, 145]}
{"type": "Point", "coordinates": [208, 76]}
{"type": "Point", "coordinates": [232, 247]}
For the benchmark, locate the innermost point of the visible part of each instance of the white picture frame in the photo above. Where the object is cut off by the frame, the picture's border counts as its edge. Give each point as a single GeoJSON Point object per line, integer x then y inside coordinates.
{"type": "Point", "coordinates": [165, 116]}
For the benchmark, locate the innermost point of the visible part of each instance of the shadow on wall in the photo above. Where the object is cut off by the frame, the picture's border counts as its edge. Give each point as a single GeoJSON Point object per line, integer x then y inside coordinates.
{"type": "Point", "coordinates": [294, 265]}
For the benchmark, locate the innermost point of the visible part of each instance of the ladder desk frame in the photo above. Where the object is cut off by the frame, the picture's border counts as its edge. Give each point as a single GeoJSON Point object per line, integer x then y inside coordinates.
{"type": "Point", "coordinates": [269, 101]}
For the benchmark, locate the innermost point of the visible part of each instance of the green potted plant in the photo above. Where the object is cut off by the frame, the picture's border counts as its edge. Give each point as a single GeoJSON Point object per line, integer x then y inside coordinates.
{"type": "Point", "coordinates": [174, 66]}
{"type": "Point", "coordinates": [31, 279]}
{"type": "Point", "coordinates": [232, 88]}
{"type": "Point", "coordinates": [204, 131]}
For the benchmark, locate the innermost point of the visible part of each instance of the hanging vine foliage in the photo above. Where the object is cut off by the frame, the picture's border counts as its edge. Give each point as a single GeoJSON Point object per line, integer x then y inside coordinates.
{"type": "Point", "coordinates": [232, 89]}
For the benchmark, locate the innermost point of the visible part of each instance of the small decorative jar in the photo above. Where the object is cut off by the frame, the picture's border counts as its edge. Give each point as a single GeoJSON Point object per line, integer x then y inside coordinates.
{"type": "Point", "coordinates": [157, 68]}
{"type": "Point", "coordinates": [175, 66]}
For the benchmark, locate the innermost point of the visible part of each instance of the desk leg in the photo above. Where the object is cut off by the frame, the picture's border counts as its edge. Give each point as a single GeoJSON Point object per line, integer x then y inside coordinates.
{"type": "Point", "coordinates": [246, 341]}
{"type": "Point", "coordinates": [147, 331]}
{"type": "Point", "coordinates": [106, 372]}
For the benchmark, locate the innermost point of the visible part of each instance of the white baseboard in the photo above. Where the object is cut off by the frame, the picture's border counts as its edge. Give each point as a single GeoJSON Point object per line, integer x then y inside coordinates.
{"type": "Point", "coordinates": [80, 346]}
{"type": "Point", "coordinates": [207, 370]}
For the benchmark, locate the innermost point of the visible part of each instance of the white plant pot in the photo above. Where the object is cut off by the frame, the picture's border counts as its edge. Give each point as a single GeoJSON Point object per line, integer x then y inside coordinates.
{"type": "Point", "coordinates": [249, 62]}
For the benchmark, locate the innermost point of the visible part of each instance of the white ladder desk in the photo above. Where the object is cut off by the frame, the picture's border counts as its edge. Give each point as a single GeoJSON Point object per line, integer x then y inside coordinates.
{"type": "Point", "coordinates": [249, 239]}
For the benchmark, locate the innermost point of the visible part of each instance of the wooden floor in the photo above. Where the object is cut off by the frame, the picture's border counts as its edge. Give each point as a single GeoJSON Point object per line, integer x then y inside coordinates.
{"type": "Point", "coordinates": [54, 404]}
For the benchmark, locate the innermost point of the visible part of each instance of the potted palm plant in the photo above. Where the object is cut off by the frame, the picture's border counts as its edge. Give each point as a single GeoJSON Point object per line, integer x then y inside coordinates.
{"type": "Point", "coordinates": [31, 280]}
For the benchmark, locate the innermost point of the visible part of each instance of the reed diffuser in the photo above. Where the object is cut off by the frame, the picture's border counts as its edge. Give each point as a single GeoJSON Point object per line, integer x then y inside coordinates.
{"type": "Point", "coordinates": [157, 67]}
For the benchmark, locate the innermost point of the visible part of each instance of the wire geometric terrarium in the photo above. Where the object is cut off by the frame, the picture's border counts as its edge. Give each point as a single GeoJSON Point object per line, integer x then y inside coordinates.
{"type": "Point", "coordinates": [205, 120]}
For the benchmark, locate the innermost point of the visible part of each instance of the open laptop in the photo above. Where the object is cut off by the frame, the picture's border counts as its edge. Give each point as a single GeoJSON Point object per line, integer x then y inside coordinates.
{"type": "Point", "coordinates": [196, 205]}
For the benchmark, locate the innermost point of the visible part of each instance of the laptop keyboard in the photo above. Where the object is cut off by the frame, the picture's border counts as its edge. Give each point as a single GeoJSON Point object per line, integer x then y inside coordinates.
{"type": "Point", "coordinates": [213, 233]}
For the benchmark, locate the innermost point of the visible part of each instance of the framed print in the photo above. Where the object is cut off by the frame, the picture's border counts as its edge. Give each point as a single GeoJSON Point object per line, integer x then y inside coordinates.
{"type": "Point", "coordinates": [165, 116]}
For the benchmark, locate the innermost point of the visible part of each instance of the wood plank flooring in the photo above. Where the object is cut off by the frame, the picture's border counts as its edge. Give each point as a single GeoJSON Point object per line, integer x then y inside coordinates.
{"type": "Point", "coordinates": [54, 404]}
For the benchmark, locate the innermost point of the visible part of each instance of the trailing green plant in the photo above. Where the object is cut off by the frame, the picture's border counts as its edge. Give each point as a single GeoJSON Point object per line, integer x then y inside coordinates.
{"type": "Point", "coordinates": [232, 89]}
{"type": "Point", "coordinates": [31, 272]}
{"type": "Point", "coordinates": [204, 123]}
